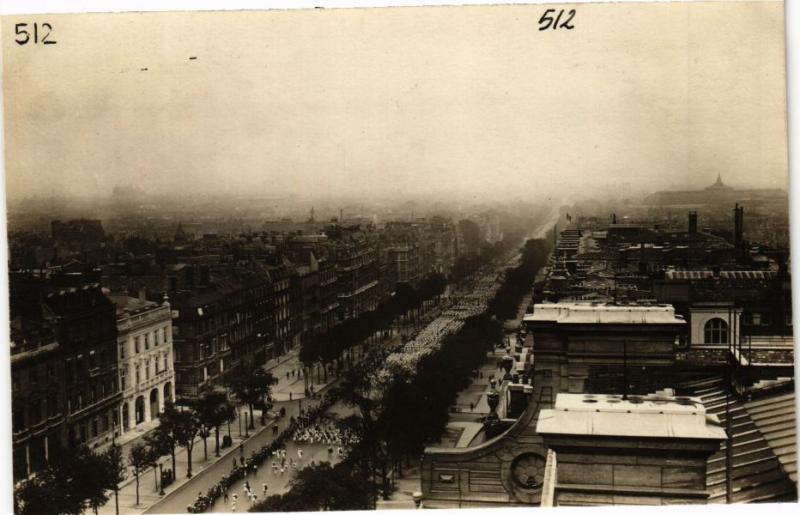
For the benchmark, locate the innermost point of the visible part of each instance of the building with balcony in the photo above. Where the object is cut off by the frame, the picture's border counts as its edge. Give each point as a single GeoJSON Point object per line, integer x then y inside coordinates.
{"type": "Point", "coordinates": [145, 358]}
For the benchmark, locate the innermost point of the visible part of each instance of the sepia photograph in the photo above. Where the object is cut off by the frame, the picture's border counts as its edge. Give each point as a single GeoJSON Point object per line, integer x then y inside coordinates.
{"type": "Point", "coordinates": [397, 257]}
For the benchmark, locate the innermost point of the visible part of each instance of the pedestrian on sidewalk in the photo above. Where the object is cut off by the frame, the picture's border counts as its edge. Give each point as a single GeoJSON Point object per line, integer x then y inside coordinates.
{"type": "Point", "coordinates": [264, 488]}
{"type": "Point", "coordinates": [225, 497]}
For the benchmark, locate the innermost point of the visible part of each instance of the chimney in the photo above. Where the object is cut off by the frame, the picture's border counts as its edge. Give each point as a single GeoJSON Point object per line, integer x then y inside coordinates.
{"type": "Point", "coordinates": [738, 225]}
{"type": "Point", "coordinates": [692, 222]}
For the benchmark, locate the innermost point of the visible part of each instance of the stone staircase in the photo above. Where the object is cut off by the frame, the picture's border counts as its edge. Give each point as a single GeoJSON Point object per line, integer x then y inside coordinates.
{"type": "Point", "coordinates": [756, 471]}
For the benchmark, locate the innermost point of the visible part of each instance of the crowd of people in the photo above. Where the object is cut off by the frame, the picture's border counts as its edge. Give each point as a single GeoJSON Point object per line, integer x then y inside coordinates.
{"type": "Point", "coordinates": [327, 433]}
{"type": "Point", "coordinates": [404, 361]}
{"type": "Point", "coordinates": [243, 467]}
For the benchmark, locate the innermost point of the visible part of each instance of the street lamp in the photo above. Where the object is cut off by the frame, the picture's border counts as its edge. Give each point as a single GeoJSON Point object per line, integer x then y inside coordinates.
{"type": "Point", "coordinates": [246, 434]}
{"type": "Point", "coordinates": [239, 417]}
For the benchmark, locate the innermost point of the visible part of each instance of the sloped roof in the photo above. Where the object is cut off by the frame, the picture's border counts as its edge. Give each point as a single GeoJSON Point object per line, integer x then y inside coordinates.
{"type": "Point", "coordinates": [774, 416]}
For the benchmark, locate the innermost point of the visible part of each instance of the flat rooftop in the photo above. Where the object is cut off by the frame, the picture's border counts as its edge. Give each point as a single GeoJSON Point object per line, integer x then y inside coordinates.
{"type": "Point", "coordinates": [651, 416]}
{"type": "Point", "coordinates": [604, 313]}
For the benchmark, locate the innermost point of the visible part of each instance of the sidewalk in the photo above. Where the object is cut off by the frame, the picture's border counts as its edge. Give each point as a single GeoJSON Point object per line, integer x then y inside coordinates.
{"type": "Point", "coordinates": [206, 472]}
{"type": "Point", "coordinates": [148, 492]}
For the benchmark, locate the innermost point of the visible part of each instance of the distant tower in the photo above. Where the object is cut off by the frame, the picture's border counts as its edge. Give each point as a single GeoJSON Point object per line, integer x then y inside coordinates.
{"type": "Point", "coordinates": [692, 222]}
{"type": "Point", "coordinates": [719, 180]}
{"type": "Point", "coordinates": [312, 215]}
{"type": "Point", "coordinates": [180, 234]}
{"type": "Point", "coordinates": [341, 215]}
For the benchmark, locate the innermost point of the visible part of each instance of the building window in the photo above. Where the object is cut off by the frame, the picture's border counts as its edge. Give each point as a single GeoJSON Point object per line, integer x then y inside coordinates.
{"type": "Point", "coordinates": [122, 351]}
{"type": "Point", "coordinates": [716, 331]}
{"type": "Point", "coordinates": [146, 341]}
{"type": "Point", "coordinates": [136, 345]}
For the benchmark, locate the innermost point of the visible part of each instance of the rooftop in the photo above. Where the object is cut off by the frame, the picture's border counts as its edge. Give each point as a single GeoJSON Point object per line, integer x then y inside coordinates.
{"type": "Point", "coordinates": [652, 416]}
{"type": "Point", "coordinates": [128, 304]}
{"type": "Point", "coordinates": [603, 313]}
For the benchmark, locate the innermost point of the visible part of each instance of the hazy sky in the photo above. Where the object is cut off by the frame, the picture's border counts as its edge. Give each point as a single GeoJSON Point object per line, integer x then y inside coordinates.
{"type": "Point", "coordinates": [468, 100]}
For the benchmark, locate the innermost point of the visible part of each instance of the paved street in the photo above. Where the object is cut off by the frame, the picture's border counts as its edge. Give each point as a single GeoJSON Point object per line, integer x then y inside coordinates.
{"type": "Point", "coordinates": [205, 470]}
{"type": "Point", "coordinates": [206, 473]}
{"type": "Point", "coordinates": [179, 497]}
{"type": "Point", "coordinates": [277, 483]}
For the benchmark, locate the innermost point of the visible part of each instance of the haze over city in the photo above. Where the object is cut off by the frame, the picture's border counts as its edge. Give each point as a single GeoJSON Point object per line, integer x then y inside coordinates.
{"type": "Point", "coordinates": [395, 102]}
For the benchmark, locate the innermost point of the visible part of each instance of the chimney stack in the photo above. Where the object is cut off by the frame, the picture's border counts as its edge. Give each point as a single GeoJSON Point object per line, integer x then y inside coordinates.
{"type": "Point", "coordinates": [692, 222]}
{"type": "Point", "coordinates": [738, 225]}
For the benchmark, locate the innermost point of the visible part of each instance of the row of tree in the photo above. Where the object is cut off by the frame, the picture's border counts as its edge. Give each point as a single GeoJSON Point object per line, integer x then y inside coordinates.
{"type": "Point", "coordinates": [394, 426]}
{"type": "Point", "coordinates": [413, 412]}
{"type": "Point", "coordinates": [179, 427]}
{"type": "Point", "coordinates": [77, 478]}
{"type": "Point", "coordinates": [519, 280]}
{"type": "Point", "coordinates": [332, 346]}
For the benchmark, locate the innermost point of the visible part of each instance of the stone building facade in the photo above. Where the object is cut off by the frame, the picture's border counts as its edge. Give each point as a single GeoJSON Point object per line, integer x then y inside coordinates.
{"type": "Point", "coordinates": [144, 353]}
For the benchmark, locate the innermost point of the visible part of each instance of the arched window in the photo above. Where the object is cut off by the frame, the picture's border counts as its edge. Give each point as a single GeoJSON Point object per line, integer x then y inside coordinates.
{"type": "Point", "coordinates": [716, 331]}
